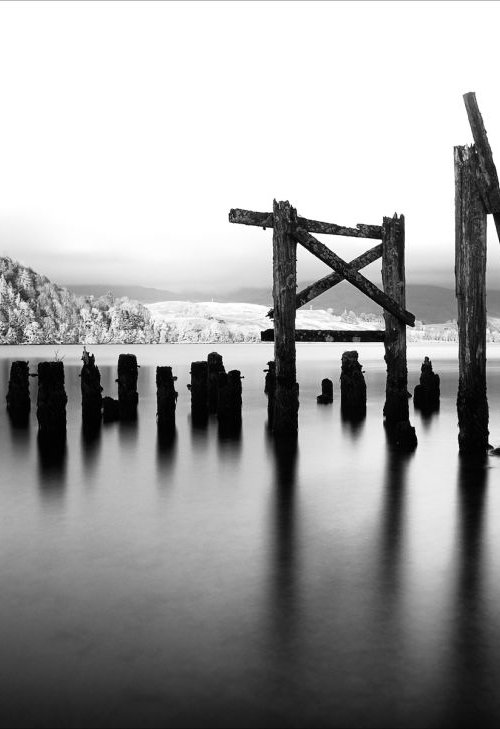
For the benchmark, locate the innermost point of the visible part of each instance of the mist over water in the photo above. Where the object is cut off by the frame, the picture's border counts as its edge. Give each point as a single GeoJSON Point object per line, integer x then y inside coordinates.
{"type": "Point", "coordinates": [208, 581]}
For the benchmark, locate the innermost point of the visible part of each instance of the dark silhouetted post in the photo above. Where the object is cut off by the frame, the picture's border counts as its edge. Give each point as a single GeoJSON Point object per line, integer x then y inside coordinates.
{"type": "Point", "coordinates": [51, 404]}
{"type": "Point", "coordinates": [128, 397]}
{"type": "Point", "coordinates": [18, 395]}
{"type": "Point", "coordinates": [470, 273]}
{"type": "Point", "coordinates": [229, 401]}
{"type": "Point", "coordinates": [326, 396]}
{"type": "Point", "coordinates": [215, 365]}
{"type": "Point", "coordinates": [110, 410]}
{"type": "Point", "coordinates": [352, 387]}
{"type": "Point", "coordinates": [286, 401]}
{"type": "Point", "coordinates": [91, 392]}
{"type": "Point", "coordinates": [427, 393]}
{"type": "Point", "coordinates": [199, 391]}
{"type": "Point", "coordinates": [269, 390]}
{"type": "Point", "coordinates": [166, 399]}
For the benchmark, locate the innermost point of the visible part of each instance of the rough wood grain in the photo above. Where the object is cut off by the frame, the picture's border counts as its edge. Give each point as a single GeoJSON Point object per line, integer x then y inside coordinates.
{"type": "Point", "coordinates": [286, 400]}
{"type": "Point", "coordinates": [265, 220]}
{"type": "Point", "coordinates": [393, 279]}
{"type": "Point", "coordinates": [318, 249]}
{"type": "Point", "coordinates": [470, 274]}
{"type": "Point", "coordinates": [485, 172]}
{"type": "Point", "coordinates": [319, 287]}
{"type": "Point", "coordinates": [330, 335]}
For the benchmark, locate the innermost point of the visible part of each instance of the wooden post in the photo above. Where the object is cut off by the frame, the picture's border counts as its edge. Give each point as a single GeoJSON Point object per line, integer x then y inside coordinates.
{"type": "Point", "coordinates": [286, 401]}
{"type": "Point", "coordinates": [326, 396]}
{"type": "Point", "coordinates": [393, 278]}
{"type": "Point", "coordinates": [166, 399]}
{"type": "Point", "coordinates": [215, 365]}
{"type": "Point", "coordinates": [128, 397]}
{"type": "Point", "coordinates": [199, 396]}
{"type": "Point", "coordinates": [18, 395]}
{"type": "Point", "coordinates": [51, 404]}
{"type": "Point", "coordinates": [470, 274]}
{"type": "Point", "coordinates": [91, 392]}
{"type": "Point", "coordinates": [427, 393]}
{"type": "Point", "coordinates": [229, 401]}
{"type": "Point", "coordinates": [110, 410]}
{"type": "Point", "coordinates": [269, 390]}
{"type": "Point", "coordinates": [352, 387]}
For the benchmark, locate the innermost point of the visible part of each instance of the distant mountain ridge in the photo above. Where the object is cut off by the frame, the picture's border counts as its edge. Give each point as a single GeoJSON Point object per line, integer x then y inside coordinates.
{"type": "Point", "coordinates": [430, 304]}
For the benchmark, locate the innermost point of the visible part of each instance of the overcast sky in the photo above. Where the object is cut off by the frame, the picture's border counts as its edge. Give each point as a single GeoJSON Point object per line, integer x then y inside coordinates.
{"type": "Point", "coordinates": [128, 131]}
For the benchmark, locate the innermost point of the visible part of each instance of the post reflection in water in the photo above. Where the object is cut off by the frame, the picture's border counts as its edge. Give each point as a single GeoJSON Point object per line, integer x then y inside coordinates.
{"type": "Point", "coordinates": [91, 448]}
{"type": "Point", "coordinates": [393, 520]}
{"type": "Point", "coordinates": [166, 454]}
{"type": "Point", "coordinates": [283, 551]}
{"type": "Point", "coordinates": [52, 469]}
{"type": "Point", "coordinates": [474, 682]}
{"type": "Point", "coordinates": [353, 426]}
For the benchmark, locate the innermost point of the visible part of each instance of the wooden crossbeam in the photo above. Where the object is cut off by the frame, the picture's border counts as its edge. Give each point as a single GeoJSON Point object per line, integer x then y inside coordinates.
{"type": "Point", "coordinates": [486, 172]}
{"type": "Point", "coordinates": [331, 259]}
{"type": "Point", "coordinates": [330, 335]}
{"type": "Point", "coordinates": [265, 220]}
{"type": "Point", "coordinates": [318, 288]}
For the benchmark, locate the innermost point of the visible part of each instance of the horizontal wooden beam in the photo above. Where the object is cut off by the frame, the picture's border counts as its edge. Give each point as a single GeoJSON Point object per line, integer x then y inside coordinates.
{"type": "Point", "coordinates": [318, 288]}
{"type": "Point", "coordinates": [486, 171]}
{"type": "Point", "coordinates": [330, 335]}
{"type": "Point", "coordinates": [265, 220]}
{"type": "Point", "coordinates": [331, 259]}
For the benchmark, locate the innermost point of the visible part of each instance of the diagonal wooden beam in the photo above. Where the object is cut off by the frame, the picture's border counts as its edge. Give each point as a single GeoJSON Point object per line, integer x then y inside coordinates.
{"type": "Point", "coordinates": [327, 282]}
{"type": "Point", "coordinates": [331, 259]}
{"type": "Point", "coordinates": [486, 172]}
{"type": "Point", "coordinates": [265, 220]}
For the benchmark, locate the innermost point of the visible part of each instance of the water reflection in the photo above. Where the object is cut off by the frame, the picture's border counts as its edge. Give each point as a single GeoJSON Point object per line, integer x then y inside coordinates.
{"type": "Point", "coordinates": [427, 416]}
{"type": "Point", "coordinates": [51, 469]}
{"type": "Point", "coordinates": [284, 547]}
{"type": "Point", "coordinates": [166, 453]}
{"type": "Point", "coordinates": [91, 448]}
{"type": "Point", "coordinates": [393, 520]}
{"type": "Point", "coordinates": [229, 443]}
{"type": "Point", "coordinates": [470, 655]}
{"type": "Point", "coordinates": [353, 426]}
{"type": "Point", "coordinates": [128, 433]}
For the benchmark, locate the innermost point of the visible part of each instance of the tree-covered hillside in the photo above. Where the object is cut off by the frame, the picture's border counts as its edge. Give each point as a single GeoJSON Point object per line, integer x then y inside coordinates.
{"type": "Point", "coordinates": [33, 310]}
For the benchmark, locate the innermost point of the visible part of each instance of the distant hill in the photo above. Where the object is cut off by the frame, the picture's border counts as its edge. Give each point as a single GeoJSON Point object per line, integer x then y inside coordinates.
{"type": "Point", "coordinates": [430, 304]}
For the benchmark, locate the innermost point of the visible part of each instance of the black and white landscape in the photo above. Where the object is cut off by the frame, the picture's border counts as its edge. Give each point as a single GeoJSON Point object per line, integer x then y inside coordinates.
{"type": "Point", "coordinates": [200, 527]}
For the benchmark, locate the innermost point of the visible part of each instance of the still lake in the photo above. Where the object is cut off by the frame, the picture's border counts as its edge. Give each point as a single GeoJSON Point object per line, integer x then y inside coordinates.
{"type": "Point", "coordinates": [216, 582]}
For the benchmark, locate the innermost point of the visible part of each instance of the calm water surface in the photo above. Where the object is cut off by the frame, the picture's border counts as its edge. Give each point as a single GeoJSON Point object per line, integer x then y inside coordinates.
{"type": "Point", "coordinates": [216, 582]}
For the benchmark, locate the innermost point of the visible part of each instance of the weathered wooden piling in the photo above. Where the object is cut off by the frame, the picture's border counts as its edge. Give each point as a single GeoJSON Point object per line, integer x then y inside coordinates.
{"type": "Point", "coordinates": [199, 391]}
{"type": "Point", "coordinates": [91, 391]}
{"type": "Point", "coordinates": [215, 366]}
{"type": "Point", "coordinates": [352, 387]}
{"type": "Point", "coordinates": [326, 396]}
{"type": "Point", "coordinates": [427, 393]}
{"type": "Point", "coordinates": [286, 399]}
{"type": "Point", "coordinates": [51, 403]}
{"type": "Point", "coordinates": [393, 278]}
{"type": "Point", "coordinates": [470, 273]}
{"type": "Point", "coordinates": [229, 401]}
{"type": "Point", "coordinates": [18, 395]}
{"type": "Point", "coordinates": [269, 390]}
{"type": "Point", "coordinates": [110, 410]}
{"type": "Point", "coordinates": [128, 397]}
{"type": "Point", "coordinates": [166, 399]}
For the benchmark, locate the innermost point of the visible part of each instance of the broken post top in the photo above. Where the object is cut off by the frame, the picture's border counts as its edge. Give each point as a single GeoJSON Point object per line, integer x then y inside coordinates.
{"type": "Point", "coordinates": [487, 173]}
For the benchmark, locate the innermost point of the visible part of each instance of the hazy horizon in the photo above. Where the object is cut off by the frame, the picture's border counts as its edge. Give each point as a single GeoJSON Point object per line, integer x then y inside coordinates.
{"type": "Point", "coordinates": [129, 132]}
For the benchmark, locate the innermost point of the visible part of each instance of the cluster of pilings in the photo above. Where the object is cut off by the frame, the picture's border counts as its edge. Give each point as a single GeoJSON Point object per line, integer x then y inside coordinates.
{"type": "Point", "coordinates": [216, 392]}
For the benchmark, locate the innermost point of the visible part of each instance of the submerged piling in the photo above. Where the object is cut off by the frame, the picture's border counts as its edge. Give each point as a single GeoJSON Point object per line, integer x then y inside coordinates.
{"type": "Point", "coordinates": [18, 395]}
{"type": "Point", "coordinates": [215, 366]}
{"type": "Point", "coordinates": [91, 392]}
{"type": "Point", "coordinates": [229, 401]}
{"type": "Point", "coordinates": [166, 399]}
{"type": "Point", "coordinates": [427, 393]}
{"type": "Point", "coordinates": [269, 390]}
{"type": "Point", "coordinates": [199, 391]}
{"type": "Point", "coordinates": [352, 387]}
{"type": "Point", "coordinates": [326, 396]}
{"type": "Point", "coordinates": [110, 410]}
{"type": "Point", "coordinates": [51, 403]}
{"type": "Point", "coordinates": [128, 397]}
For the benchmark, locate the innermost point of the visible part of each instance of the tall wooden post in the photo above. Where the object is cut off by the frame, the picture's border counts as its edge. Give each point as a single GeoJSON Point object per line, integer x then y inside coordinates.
{"type": "Point", "coordinates": [393, 279]}
{"type": "Point", "coordinates": [286, 400]}
{"type": "Point", "coordinates": [470, 276]}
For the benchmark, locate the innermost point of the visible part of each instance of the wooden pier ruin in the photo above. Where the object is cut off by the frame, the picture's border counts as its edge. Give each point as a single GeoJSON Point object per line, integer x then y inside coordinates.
{"type": "Point", "coordinates": [18, 395]}
{"type": "Point", "coordinates": [289, 229]}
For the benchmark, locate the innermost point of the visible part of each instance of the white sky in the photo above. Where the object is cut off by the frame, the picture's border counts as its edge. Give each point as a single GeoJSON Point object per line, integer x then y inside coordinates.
{"type": "Point", "coordinates": [128, 131]}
